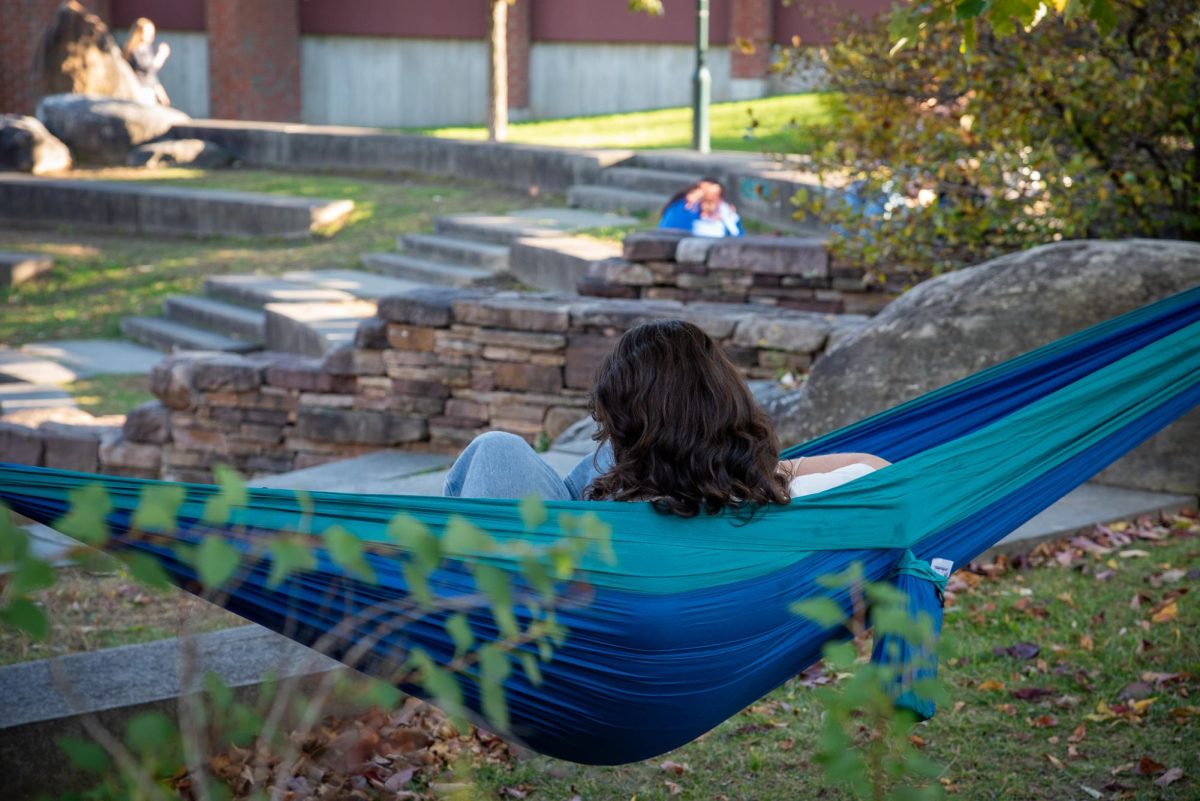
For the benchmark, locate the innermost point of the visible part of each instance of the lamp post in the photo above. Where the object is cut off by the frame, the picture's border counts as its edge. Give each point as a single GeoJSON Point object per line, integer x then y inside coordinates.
{"type": "Point", "coordinates": [701, 82]}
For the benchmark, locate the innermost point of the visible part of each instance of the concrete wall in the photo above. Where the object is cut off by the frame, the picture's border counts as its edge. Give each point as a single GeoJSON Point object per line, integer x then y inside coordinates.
{"type": "Point", "coordinates": [575, 78]}
{"type": "Point", "coordinates": [362, 80]}
{"type": "Point", "coordinates": [185, 76]}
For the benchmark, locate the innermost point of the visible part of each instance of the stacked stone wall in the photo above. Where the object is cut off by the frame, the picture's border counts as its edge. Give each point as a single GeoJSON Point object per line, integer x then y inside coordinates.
{"type": "Point", "coordinates": [434, 369]}
{"type": "Point", "coordinates": [786, 272]}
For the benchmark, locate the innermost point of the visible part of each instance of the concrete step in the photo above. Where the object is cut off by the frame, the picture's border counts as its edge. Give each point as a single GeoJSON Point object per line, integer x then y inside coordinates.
{"type": "Point", "coordinates": [458, 251]}
{"type": "Point", "coordinates": [504, 229]}
{"type": "Point", "coordinates": [256, 291]}
{"type": "Point", "coordinates": [557, 263]}
{"type": "Point", "coordinates": [659, 182]}
{"type": "Point", "coordinates": [314, 329]}
{"type": "Point", "coordinates": [356, 283]}
{"type": "Point", "coordinates": [214, 315]}
{"type": "Point", "coordinates": [610, 198]}
{"type": "Point", "coordinates": [429, 271]}
{"type": "Point", "coordinates": [168, 335]}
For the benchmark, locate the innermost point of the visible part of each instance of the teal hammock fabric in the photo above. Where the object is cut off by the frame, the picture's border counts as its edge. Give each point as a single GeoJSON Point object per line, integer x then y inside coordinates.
{"type": "Point", "coordinates": [689, 622]}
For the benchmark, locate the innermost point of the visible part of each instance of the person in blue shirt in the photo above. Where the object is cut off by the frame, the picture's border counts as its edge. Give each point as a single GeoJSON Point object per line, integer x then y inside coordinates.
{"type": "Point", "coordinates": [701, 210]}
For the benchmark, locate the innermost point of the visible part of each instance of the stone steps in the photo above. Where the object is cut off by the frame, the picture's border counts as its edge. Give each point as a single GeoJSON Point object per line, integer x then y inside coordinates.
{"type": "Point", "coordinates": [468, 253]}
{"type": "Point", "coordinates": [425, 270]}
{"type": "Point", "coordinates": [215, 315]}
{"type": "Point", "coordinates": [256, 291]}
{"type": "Point", "coordinates": [504, 229]}
{"type": "Point", "coordinates": [314, 329]}
{"type": "Point", "coordinates": [640, 179]}
{"type": "Point", "coordinates": [164, 334]}
{"type": "Point", "coordinates": [611, 198]}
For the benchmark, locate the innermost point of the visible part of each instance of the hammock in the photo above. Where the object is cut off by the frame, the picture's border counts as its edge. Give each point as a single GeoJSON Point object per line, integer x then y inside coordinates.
{"type": "Point", "coordinates": [689, 623]}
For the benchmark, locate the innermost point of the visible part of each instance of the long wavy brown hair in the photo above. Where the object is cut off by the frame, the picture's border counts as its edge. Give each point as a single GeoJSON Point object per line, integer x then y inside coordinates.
{"type": "Point", "coordinates": [686, 433]}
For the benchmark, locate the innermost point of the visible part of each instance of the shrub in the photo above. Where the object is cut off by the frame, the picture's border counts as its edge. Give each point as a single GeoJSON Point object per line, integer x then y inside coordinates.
{"type": "Point", "coordinates": [1056, 131]}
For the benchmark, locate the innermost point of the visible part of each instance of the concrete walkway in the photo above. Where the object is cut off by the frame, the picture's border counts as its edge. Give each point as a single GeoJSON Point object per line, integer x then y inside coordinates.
{"type": "Point", "coordinates": [32, 376]}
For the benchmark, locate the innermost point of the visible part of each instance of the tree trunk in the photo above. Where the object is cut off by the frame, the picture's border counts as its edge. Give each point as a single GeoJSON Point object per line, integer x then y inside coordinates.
{"type": "Point", "coordinates": [498, 93]}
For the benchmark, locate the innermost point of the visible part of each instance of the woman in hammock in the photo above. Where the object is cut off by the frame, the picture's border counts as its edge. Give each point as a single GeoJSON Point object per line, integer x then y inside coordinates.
{"type": "Point", "coordinates": [677, 426]}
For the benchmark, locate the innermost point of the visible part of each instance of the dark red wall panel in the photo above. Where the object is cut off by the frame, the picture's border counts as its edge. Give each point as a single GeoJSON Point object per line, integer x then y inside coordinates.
{"type": "Point", "coordinates": [818, 21]}
{"type": "Point", "coordinates": [612, 21]}
{"type": "Point", "coordinates": [167, 15]}
{"type": "Point", "coordinates": [433, 19]}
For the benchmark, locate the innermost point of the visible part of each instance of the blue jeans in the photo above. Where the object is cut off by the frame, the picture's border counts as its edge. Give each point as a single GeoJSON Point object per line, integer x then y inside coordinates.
{"type": "Point", "coordinates": [502, 465]}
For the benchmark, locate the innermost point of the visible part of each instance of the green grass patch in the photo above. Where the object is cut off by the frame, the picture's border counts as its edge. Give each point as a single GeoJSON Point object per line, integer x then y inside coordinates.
{"type": "Point", "coordinates": [98, 278]}
{"type": "Point", "coordinates": [783, 124]}
{"type": "Point", "coordinates": [110, 394]}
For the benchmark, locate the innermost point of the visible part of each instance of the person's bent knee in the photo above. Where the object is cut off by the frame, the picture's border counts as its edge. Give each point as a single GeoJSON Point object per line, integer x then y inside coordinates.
{"type": "Point", "coordinates": [499, 442]}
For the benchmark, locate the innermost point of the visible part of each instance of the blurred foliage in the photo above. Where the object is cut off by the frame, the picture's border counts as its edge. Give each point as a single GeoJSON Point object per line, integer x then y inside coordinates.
{"type": "Point", "coordinates": [958, 148]}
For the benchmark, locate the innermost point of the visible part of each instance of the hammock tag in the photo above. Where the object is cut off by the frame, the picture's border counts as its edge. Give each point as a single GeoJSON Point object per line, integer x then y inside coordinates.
{"type": "Point", "coordinates": [943, 567]}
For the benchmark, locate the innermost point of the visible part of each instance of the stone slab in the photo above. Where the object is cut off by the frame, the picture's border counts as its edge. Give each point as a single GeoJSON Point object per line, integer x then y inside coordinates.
{"type": "Point", "coordinates": [259, 290]}
{"type": "Point", "coordinates": [374, 473]}
{"type": "Point", "coordinates": [313, 329]}
{"type": "Point", "coordinates": [155, 210]}
{"type": "Point", "coordinates": [88, 357]}
{"type": "Point", "coordinates": [557, 263]}
{"type": "Point", "coordinates": [17, 268]}
{"type": "Point", "coordinates": [506, 228]}
{"type": "Point", "coordinates": [17, 365]}
{"type": "Point", "coordinates": [18, 396]}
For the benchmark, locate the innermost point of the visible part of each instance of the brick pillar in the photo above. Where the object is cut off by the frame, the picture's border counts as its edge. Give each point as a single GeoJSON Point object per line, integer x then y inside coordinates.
{"type": "Point", "coordinates": [520, 23]}
{"type": "Point", "coordinates": [254, 59]}
{"type": "Point", "coordinates": [750, 23]}
{"type": "Point", "coordinates": [22, 24]}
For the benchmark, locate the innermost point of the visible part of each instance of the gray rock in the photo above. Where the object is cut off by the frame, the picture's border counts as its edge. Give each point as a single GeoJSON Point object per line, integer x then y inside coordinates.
{"type": "Point", "coordinates": [20, 444]}
{"type": "Point", "coordinates": [171, 382]}
{"type": "Point", "coordinates": [179, 153]}
{"type": "Point", "coordinates": [653, 245]}
{"type": "Point", "coordinates": [362, 427]}
{"type": "Point", "coordinates": [694, 249]}
{"type": "Point", "coordinates": [774, 255]}
{"type": "Point", "coordinates": [78, 55]}
{"type": "Point", "coordinates": [150, 422]}
{"type": "Point", "coordinates": [960, 323]}
{"type": "Point", "coordinates": [103, 130]}
{"type": "Point", "coordinates": [26, 146]}
{"type": "Point", "coordinates": [793, 332]}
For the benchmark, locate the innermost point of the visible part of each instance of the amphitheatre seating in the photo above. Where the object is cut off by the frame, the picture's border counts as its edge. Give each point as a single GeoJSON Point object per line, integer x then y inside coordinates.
{"type": "Point", "coordinates": [163, 210]}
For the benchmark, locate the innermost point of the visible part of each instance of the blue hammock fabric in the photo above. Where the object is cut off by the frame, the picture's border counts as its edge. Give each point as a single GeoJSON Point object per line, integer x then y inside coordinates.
{"type": "Point", "coordinates": [690, 622]}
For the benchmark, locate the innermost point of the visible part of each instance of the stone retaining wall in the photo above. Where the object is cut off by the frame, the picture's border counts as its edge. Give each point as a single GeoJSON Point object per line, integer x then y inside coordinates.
{"type": "Point", "coordinates": [435, 368]}
{"type": "Point", "coordinates": [789, 272]}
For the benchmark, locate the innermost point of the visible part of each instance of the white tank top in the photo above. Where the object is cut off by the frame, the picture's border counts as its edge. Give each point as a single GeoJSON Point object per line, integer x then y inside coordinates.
{"type": "Point", "coordinates": [812, 483]}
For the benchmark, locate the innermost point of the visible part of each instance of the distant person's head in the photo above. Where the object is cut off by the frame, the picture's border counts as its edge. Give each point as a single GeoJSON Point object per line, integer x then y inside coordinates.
{"type": "Point", "coordinates": [685, 431]}
{"type": "Point", "coordinates": [141, 32]}
{"type": "Point", "coordinates": [706, 195]}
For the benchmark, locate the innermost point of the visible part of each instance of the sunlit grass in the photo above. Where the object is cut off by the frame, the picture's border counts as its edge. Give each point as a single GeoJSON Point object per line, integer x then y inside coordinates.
{"type": "Point", "coordinates": [784, 124]}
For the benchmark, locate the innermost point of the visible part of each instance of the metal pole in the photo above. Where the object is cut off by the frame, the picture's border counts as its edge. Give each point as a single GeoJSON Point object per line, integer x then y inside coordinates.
{"type": "Point", "coordinates": [701, 81]}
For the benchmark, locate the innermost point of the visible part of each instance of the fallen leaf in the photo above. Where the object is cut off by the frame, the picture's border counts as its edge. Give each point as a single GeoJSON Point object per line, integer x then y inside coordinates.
{"type": "Point", "coordinates": [1133, 553]}
{"type": "Point", "coordinates": [1066, 598]}
{"type": "Point", "coordinates": [990, 685]}
{"type": "Point", "coordinates": [1123, 768]}
{"type": "Point", "coordinates": [1180, 714]}
{"type": "Point", "coordinates": [1079, 735]}
{"type": "Point", "coordinates": [1166, 613]}
{"type": "Point", "coordinates": [1170, 777]}
{"type": "Point", "coordinates": [1073, 753]}
{"type": "Point", "coordinates": [1043, 721]}
{"type": "Point", "coordinates": [1008, 709]}
{"type": "Point", "coordinates": [513, 792]}
{"type": "Point", "coordinates": [1135, 690]}
{"type": "Point", "coordinates": [1160, 678]}
{"type": "Point", "coordinates": [1148, 767]}
{"type": "Point", "coordinates": [788, 744]}
{"type": "Point", "coordinates": [673, 788]}
{"type": "Point", "coordinates": [676, 768]}
{"type": "Point", "coordinates": [1094, 793]}
{"type": "Point", "coordinates": [1104, 575]}
{"type": "Point", "coordinates": [1030, 693]}
{"type": "Point", "coordinates": [1055, 761]}
{"type": "Point", "coordinates": [1020, 650]}
{"type": "Point", "coordinates": [916, 740]}
{"type": "Point", "coordinates": [1087, 643]}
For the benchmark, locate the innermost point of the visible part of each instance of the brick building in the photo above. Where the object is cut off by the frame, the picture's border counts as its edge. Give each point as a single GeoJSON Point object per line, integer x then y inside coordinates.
{"type": "Point", "coordinates": [416, 62]}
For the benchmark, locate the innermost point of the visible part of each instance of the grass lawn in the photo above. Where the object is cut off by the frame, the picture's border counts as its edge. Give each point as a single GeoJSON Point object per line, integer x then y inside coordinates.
{"type": "Point", "coordinates": [784, 124]}
{"type": "Point", "coordinates": [110, 394]}
{"type": "Point", "coordinates": [98, 278]}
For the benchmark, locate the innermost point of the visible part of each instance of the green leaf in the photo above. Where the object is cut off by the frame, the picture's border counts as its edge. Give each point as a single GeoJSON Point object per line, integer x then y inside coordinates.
{"type": "Point", "coordinates": [1103, 14]}
{"type": "Point", "coordinates": [232, 495]}
{"type": "Point", "coordinates": [146, 569]}
{"type": "Point", "coordinates": [346, 551]}
{"type": "Point", "coordinates": [532, 671]}
{"type": "Point", "coordinates": [14, 540]}
{"type": "Point", "coordinates": [969, 9]}
{"type": "Point", "coordinates": [493, 583]}
{"type": "Point", "coordinates": [533, 512]}
{"type": "Point", "coordinates": [87, 518]}
{"type": "Point", "coordinates": [31, 575]}
{"type": "Point", "coordinates": [464, 538]}
{"type": "Point", "coordinates": [84, 754]}
{"type": "Point", "coordinates": [835, 581]}
{"type": "Point", "coordinates": [216, 561]}
{"type": "Point", "coordinates": [418, 583]}
{"type": "Point", "coordinates": [823, 611]}
{"type": "Point", "coordinates": [382, 695]}
{"type": "Point", "coordinates": [459, 629]}
{"type": "Point", "coordinates": [414, 536]}
{"type": "Point", "coordinates": [494, 669]}
{"type": "Point", "coordinates": [218, 691]}
{"type": "Point", "coordinates": [158, 507]}
{"type": "Point", "coordinates": [27, 616]}
{"type": "Point", "coordinates": [150, 733]}
{"type": "Point", "coordinates": [289, 556]}
{"type": "Point", "coordinates": [441, 685]}
{"type": "Point", "coordinates": [839, 655]}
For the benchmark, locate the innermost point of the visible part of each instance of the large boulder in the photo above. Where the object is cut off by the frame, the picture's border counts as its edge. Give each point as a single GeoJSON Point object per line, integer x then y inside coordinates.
{"type": "Point", "coordinates": [957, 324]}
{"type": "Point", "coordinates": [78, 55]}
{"type": "Point", "coordinates": [26, 146]}
{"type": "Point", "coordinates": [102, 130]}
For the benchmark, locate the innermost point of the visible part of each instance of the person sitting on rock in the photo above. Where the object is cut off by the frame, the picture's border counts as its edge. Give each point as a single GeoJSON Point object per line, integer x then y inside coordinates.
{"type": "Point", "coordinates": [701, 210]}
{"type": "Point", "coordinates": [147, 60]}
